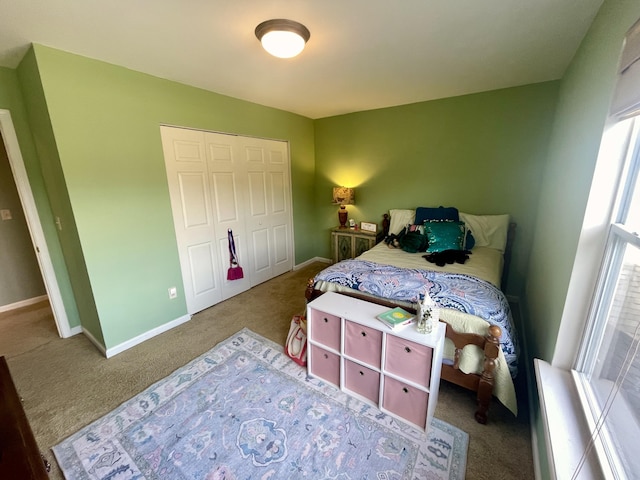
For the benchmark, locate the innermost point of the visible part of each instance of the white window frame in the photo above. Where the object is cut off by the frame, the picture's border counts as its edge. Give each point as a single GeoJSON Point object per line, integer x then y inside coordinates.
{"type": "Point", "coordinates": [618, 238]}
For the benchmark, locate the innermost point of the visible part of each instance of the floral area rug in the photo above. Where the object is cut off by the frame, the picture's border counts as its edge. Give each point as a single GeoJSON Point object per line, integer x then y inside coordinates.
{"type": "Point", "coordinates": [244, 410]}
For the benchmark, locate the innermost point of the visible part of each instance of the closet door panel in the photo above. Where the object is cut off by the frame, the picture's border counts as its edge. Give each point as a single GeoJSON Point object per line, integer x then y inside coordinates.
{"type": "Point", "coordinates": [257, 195]}
{"type": "Point", "coordinates": [254, 154]}
{"type": "Point", "coordinates": [193, 197]}
{"type": "Point", "coordinates": [261, 249]}
{"type": "Point", "coordinates": [201, 258]}
{"type": "Point", "coordinates": [280, 250]}
{"type": "Point", "coordinates": [227, 184]}
{"type": "Point", "coordinates": [278, 192]}
{"type": "Point", "coordinates": [188, 182]}
{"type": "Point", "coordinates": [280, 204]}
{"type": "Point", "coordinates": [259, 225]}
{"type": "Point", "coordinates": [225, 197]}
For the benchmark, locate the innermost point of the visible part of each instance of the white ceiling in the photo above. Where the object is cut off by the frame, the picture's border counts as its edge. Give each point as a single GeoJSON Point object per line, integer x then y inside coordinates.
{"type": "Point", "coordinates": [363, 54]}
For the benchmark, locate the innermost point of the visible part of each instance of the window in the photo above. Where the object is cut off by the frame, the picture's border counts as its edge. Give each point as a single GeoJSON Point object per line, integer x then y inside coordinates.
{"type": "Point", "coordinates": [607, 369]}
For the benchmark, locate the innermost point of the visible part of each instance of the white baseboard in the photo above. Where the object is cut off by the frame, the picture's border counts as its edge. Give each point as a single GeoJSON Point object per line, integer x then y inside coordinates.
{"type": "Point", "coordinates": [93, 340]}
{"type": "Point", "coordinates": [110, 352]}
{"type": "Point", "coordinates": [75, 330]}
{"type": "Point", "coordinates": [515, 301]}
{"type": "Point", "coordinates": [310, 261]}
{"type": "Point", "coordinates": [23, 303]}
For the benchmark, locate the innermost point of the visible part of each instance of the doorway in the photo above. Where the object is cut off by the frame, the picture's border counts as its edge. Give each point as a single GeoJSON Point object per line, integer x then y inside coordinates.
{"type": "Point", "coordinates": [32, 218]}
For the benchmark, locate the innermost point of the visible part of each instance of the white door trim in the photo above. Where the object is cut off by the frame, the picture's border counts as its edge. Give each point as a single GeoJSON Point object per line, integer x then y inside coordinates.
{"type": "Point", "coordinates": [33, 222]}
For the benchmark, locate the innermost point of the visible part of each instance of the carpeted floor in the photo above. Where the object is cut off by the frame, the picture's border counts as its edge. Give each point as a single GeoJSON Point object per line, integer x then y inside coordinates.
{"type": "Point", "coordinates": [67, 383]}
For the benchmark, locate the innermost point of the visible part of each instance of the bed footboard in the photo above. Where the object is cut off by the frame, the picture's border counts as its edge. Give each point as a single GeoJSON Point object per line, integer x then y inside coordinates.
{"type": "Point", "coordinates": [481, 383]}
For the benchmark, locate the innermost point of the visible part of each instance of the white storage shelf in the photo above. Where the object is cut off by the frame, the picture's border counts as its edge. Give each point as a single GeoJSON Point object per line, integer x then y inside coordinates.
{"type": "Point", "coordinates": [397, 371]}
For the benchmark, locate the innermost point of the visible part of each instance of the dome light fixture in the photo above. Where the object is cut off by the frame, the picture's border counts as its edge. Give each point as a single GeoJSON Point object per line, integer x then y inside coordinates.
{"type": "Point", "coordinates": [282, 38]}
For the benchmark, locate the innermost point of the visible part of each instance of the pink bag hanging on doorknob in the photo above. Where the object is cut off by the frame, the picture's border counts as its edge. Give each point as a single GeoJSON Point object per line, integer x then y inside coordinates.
{"type": "Point", "coordinates": [235, 270]}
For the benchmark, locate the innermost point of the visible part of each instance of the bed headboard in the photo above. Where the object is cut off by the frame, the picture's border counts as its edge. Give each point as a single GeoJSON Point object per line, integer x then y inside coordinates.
{"type": "Point", "coordinates": [511, 233]}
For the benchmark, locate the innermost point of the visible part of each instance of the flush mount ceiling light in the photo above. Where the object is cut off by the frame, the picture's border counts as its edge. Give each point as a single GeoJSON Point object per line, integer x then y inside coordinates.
{"type": "Point", "coordinates": [282, 38]}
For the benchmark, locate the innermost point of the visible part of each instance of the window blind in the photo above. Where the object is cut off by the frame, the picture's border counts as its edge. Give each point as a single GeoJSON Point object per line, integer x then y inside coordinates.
{"type": "Point", "coordinates": [626, 99]}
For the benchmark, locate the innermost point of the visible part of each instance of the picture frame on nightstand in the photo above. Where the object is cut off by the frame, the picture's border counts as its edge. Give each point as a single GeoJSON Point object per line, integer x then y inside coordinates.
{"type": "Point", "coordinates": [369, 227]}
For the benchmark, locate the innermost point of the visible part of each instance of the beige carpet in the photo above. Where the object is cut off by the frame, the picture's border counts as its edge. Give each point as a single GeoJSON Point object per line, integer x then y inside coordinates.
{"type": "Point", "coordinates": [67, 383]}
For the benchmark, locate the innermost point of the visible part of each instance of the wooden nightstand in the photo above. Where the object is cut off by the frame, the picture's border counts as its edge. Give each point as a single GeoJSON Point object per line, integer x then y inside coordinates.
{"type": "Point", "coordinates": [350, 242]}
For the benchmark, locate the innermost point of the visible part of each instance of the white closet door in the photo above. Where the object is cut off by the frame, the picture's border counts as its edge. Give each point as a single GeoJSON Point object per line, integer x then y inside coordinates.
{"type": "Point", "coordinates": [186, 165]}
{"type": "Point", "coordinates": [219, 182]}
{"type": "Point", "coordinates": [228, 182]}
{"type": "Point", "coordinates": [268, 213]}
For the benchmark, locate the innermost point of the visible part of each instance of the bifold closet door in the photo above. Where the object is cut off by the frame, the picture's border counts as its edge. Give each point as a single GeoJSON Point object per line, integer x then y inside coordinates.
{"type": "Point", "coordinates": [227, 183]}
{"type": "Point", "coordinates": [268, 216]}
{"type": "Point", "coordinates": [189, 191]}
{"type": "Point", "coordinates": [219, 182]}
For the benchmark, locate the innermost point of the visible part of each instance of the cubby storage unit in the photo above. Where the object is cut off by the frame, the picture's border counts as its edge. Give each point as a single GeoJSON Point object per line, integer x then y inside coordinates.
{"type": "Point", "coordinates": [397, 371]}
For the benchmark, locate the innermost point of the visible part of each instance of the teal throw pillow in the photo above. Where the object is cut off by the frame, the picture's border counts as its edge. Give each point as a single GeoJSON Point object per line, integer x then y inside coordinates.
{"type": "Point", "coordinates": [444, 236]}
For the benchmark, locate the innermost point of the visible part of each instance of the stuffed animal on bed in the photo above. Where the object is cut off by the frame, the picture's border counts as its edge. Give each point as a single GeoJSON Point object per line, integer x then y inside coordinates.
{"type": "Point", "coordinates": [392, 240]}
{"type": "Point", "coordinates": [448, 256]}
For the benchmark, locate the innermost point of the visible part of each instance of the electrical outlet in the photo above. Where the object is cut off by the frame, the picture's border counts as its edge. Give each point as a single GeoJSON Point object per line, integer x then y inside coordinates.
{"type": "Point", "coordinates": [173, 292]}
{"type": "Point", "coordinates": [5, 214]}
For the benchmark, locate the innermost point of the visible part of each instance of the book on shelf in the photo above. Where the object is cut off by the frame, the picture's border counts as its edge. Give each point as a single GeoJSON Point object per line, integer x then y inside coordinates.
{"type": "Point", "coordinates": [396, 318]}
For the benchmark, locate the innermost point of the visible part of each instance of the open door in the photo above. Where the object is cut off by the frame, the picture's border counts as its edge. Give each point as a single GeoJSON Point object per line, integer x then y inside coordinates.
{"type": "Point", "coordinates": [33, 222]}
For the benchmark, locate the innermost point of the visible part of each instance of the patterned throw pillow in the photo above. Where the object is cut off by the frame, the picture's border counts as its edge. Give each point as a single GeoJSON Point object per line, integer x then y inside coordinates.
{"type": "Point", "coordinates": [444, 236]}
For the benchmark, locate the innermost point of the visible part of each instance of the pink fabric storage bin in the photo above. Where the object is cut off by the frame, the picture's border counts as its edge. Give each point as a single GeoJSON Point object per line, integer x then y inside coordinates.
{"type": "Point", "coordinates": [362, 380]}
{"type": "Point", "coordinates": [325, 364]}
{"type": "Point", "coordinates": [363, 343]}
{"type": "Point", "coordinates": [325, 329]}
{"type": "Point", "coordinates": [409, 360]}
{"type": "Point", "coordinates": [406, 401]}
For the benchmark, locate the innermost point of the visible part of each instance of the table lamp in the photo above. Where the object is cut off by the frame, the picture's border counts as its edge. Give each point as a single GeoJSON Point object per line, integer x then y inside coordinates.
{"type": "Point", "coordinates": [343, 196]}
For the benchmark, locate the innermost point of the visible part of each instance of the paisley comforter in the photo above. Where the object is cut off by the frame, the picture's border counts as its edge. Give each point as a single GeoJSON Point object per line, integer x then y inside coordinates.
{"type": "Point", "coordinates": [457, 291]}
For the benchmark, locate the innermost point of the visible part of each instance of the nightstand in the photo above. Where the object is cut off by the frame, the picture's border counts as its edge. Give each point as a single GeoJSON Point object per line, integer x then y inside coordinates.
{"type": "Point", "coordinates": [351, 242]}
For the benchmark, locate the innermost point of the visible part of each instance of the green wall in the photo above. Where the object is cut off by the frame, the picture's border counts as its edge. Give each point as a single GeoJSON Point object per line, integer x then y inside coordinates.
{"type": "Point", "coordinates": [584, 98]}
{"type": "Point", "coordinates": [583, 104]}
{"type": "Point", "coordinates": [11, 98]}
{"type": "Point", "coordinates": [105, 124]}
{"type": "Point", "coordinates": [482, 153]}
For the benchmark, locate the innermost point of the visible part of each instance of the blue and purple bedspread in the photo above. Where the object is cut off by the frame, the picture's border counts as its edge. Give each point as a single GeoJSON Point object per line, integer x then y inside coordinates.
{"type": "Point", "coordinates": [456, 291]}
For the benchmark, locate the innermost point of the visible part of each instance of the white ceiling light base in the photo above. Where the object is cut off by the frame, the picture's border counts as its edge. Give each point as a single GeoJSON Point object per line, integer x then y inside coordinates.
{"type": "Point", "coordinates": [282, 38]}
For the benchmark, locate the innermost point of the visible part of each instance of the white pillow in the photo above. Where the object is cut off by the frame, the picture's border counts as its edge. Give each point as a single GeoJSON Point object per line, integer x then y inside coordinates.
{"type": "Point", "coordinates": [400, 219]}
{"type": "Point", "coordinates": [488, 230]}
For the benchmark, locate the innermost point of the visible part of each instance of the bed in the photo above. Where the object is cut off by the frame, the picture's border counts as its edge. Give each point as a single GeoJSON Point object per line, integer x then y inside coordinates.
{"type": "Point", "coordinates": [481, 350]}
